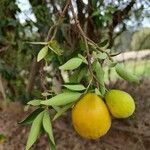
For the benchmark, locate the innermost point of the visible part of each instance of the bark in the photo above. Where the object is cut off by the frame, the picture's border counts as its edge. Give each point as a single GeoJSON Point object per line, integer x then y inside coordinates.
{"type": "Point", "coordinates": [35, 65]}
{"type": "Point", "coordinates": [32, 76]}
{"type": "Point", "coordinates": [81, 16]}
{"type": "Point", "coordinates": [90, 24]}
{"type": "Point", "coordinates": [118, 17]}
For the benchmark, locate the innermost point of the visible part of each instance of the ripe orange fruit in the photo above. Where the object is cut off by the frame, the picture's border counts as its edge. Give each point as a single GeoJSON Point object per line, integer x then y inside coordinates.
{"type": "Point", "coordinates": [120, 103]}
{"type": "Point", "coordinates": [90, 117]}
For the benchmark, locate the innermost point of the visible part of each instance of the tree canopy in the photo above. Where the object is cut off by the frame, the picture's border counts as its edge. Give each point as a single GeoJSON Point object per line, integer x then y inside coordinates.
{"type": "Point", "coordinates": [99, 19]}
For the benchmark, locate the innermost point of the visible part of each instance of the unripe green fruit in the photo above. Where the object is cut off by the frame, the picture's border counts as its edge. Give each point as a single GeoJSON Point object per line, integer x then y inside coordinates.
{"type": "Point", "coordinates": [120, 103]}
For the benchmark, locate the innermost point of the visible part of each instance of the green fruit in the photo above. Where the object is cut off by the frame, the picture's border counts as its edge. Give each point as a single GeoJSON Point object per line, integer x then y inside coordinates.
{"type": "Point", "coordinates": [120, 103]}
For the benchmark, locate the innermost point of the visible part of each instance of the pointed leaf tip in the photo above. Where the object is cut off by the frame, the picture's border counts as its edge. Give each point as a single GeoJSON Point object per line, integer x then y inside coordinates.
{"type": "Point", "coordinates": [71, 64]}
{"type": "Point", "coordinates": [126, 75]}
{"type": "Point", "coordinates": [42, 53]}
{"type": "Point", "coordinates": [62, 99]}
{"type": "Point", "coordinates": [77, 87]}
{"type": "Point", "coordinates": [34, 131]}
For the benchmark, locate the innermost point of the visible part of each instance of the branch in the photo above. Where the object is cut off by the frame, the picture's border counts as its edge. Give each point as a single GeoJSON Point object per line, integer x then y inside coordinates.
{"type": "Point", "coordinates": [118, 17]}
{"type": "Point", "coordinates": [54, 27]}
{"type": "Point", "coordinates": [86, 39]}
{"type": "Point", "coordinates": [80, 7]}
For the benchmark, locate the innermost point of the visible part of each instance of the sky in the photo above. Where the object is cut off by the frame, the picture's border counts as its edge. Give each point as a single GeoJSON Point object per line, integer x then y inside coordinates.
{"type": "Point", "coordinates": [26, 13]}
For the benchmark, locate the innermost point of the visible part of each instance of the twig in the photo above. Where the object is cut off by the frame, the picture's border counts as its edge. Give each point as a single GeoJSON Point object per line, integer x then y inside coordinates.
{"type": "Point", "coordinates": [54, 27]}
{"type": "Point", "coordinates": [87, 40]}
{"type": "Point", "coordinates": [90, 42]}
{"type": "Point", "coordinates": [86, 44]}
{"type": "Point", "coordinates": [88, 85]}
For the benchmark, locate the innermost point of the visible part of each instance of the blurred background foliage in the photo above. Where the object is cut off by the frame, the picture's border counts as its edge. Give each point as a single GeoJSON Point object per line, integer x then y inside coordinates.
{"type": "Point", "coordinates": [124, 23]}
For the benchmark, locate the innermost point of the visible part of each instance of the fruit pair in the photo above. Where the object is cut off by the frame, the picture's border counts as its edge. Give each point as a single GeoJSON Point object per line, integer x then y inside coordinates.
{"type": "Point", "coordinates": [91, 118]}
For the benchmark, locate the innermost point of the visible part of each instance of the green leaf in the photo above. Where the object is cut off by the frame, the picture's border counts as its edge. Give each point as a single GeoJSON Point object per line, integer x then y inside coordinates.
{"type": "Point", "coordinates": [62, 99]}
{"type": "Point", "coordinates": [83, 58]}
{"type": "Point", "coordinates": [82, 45]}
{"type": "Point", "coordinates": [74, 77]}
{"type": "Point", "coordinates": [100, 77]}
{"type": "Point", "coordinates": [120, 69]}
{"type": "Point", "coordinates": [101, 56]}
{"type": "Point", "coordinates": [104, 43]}
{"type": "Point", "coordinates": [108, 50]}
{"type": "Point", "coordinates": [71, 64]}
{"type": "Point", "coordinates": [82, 73]}
{"type": "Point", "coordinates": [35, 130]}
{"type": "Point", "coordinates": [62, 110]}
{"type": "Point", "coordinates": [112, 64]}
{"type": "Point", "coordinates": [95, 13]}
{"type": "Point", "coordinates": [53, 45]}
{"type": "Point", "coordinates": [56, 108]}
{"type": "Point", "coordinates": [99, 71]}
{"type": "Point", "coordinates": [38, 43]}
{"type": "Point", "coordinates": [97, 92]}
{"type": "Point", "coordinates": [34, 102]}
{"type": "Point", "coordinates": [78, 75]}
{"type": "Point", "coordinates": [29, 119]}
{"type": "Point", "coordinates": [48, 127]}
{"type": "Point", "coordinates": [77, 87]}
{"type": "Point", "coordinates": [42, 53]}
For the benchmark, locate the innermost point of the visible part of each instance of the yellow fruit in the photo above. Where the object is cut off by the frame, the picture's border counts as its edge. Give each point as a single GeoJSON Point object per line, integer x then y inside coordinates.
{"type": "Point", "coordinates": [90, 117]}
{"type": "Point", "coordinates": [120, 103]}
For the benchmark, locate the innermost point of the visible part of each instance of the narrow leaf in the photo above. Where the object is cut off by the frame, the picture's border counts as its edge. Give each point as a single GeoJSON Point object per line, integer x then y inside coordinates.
{"type": "Point", "coordinates": [53, 45]}
{"type": "Point", "coordinates": [71, 64]}
{"type": "Point", "coordinates": [34, 102]}
{"type": "Point", "coordinates": [62, 99]}
{"type": "Point", "coordinates": [62, 110]}
{"type": "Point", "coordinates": [38, 43]}
{"type": "Point", "coordinates": [56, 108]}
{"type": "Point", "coordinates": [125, 74]}
{"type": "Point", "coordinates": [82, 74]}
{"type": "Point", "coordinates": [100, 77]}
{"type": "Point", "coordinates": [54, 50]}
{"type": "Point", "coordinates": [29, 119]}
{"type": "Point", "coordinates": [101, 56]}
{"type": "Point", "coordinates": [112, 64]}
{"type": "Point", "coordinates": [42, 53]}
{"type": "Point", "coordinates": [74, 77]}
{"type": "Point", "coordinates": [97, 92]}
{"type": "Point", "coordinates": [77, 87]}
{"type": "Point", "coordinates": [48, 126]}
{"type": "Point", "coordinates": [83, 58]}
{"type": "Point", "coordinates": [34, 131]}
{"type": "Point", "coordinates": [104, 43]}
{"type": "Point", "coordinates": [108, 50]}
